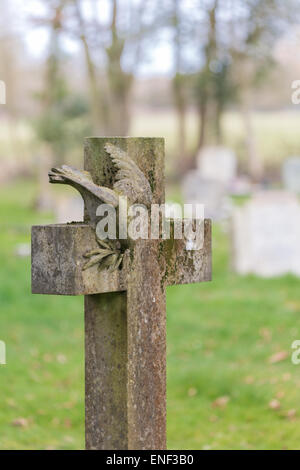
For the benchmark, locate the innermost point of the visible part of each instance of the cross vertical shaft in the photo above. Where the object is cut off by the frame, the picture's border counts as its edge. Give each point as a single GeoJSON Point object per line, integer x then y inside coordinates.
{"type": "Point", "coordinates": [125, 331]}
{"type": "Point", "coordinates": [106, 420]}
{"type": "Point", "coordinates": [146, 320]}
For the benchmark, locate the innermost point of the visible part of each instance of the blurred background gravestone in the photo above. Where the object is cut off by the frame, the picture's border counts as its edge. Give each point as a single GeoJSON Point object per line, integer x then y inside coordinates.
{"type": "Point", "coordinates": [266, 234]}
{"type": "Point", "coordinates": [210, 183]}
{"type": "Point", "coordinates": [217, 163]}
{"type": "Point", "coordinates": [291, 174]}
{"type": "Point", "coordinates": [211, 193]}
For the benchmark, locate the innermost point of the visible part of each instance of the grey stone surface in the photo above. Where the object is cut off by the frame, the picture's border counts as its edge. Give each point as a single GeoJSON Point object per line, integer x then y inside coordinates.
{"type": "Point", "coordinates": [58, 257]}
{"type": "Point", "coordinates": [291, 174]}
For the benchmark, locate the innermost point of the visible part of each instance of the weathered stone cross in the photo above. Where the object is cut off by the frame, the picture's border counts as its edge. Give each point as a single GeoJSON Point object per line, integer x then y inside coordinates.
{"type": "Point", "coordinates": [125, 318]}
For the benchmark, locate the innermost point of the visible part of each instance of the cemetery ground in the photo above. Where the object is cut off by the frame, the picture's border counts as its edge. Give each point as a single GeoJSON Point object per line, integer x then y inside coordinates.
{"type": "Point", "coordinates": [231, 383]}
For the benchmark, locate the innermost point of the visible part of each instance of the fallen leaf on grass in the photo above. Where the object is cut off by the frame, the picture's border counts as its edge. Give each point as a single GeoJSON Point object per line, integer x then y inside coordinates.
{"type": "Point", "coordinates": [291, 414]}
{"type": "Point", "coordinates": [220, 402]}
{"type": "Point", "coordinates": [213, 418]}
{"type": "Point", "coordinates": [67, 423]}
{"type": "Point", "coordinates": [277, 357]}
{"type": "Point", "coordinates": [274, 404]}
{"type": "Point", "coordinates": [266, 334]}
{"type": "Point", "coordinates": [249, 379]}
{"type": "Point", "coordinates": [48, 357]}
{"type": "Point", "coordinates": [20, 423]}
{"type": "Point", "coordinates": [11, 402]}
{"type": "Point", "coordinates": [192, 392]}
{"type": "Point", "coordinates": [61, 359]}
{"type": "Point", "coordinates": [55, 421]}
{"type": "Point", "coordinates": [69, 405]}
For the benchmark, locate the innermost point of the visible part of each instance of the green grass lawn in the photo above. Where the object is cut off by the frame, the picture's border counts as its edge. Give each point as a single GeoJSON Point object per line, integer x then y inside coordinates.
{"type": "Point", "coordinates": [221, 336]}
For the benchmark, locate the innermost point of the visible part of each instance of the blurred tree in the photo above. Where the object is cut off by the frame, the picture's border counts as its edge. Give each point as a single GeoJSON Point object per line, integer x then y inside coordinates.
{"type": "Point", "coordinates": [204, 84]}
{"type": "Point", "coordinates": [10, 54]}
{"type": "Point", "coordinates": [114, 48]}
{"type": "Point", "coordinates": [252, 48]}
{"type": "Point", "coordinates": [56, 125]}
{"type": "Point", "coordinates": [206, 70]}
{"type": "Point", "coordinates": [214, 86]}
{"type": "Point", "coordinates": [14, 71]}
{"type": "Point", "coordinates": [98, 97]}
{"type": "Point", "coordinates": [179, 81]}
{"type": "Point", "coordinates": [59, 106]}
{"type": "Point", "coordinates": [235, 42]}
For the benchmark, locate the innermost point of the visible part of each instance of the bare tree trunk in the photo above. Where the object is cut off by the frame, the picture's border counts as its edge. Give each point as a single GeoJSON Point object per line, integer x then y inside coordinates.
{"type": "Point", "coordinates": [43, 201]}
{"type": "Point", "coordinates": [218, 124]}
{"type": "Point", "coordinates": [202, 123]}
{"type": "Point", "coordinates": [179, 90]}
{"type": "Point", "coordinates": [205, 100]}
{"type": "Point", "coordinates": [180, 107]}
{"type": "Point", "coordinates": [111, 107]}
{"type": "Point", "coordinates": [97, 102]}
{"type": "Point", "coordinates": [98, 114]}
{"type": "Point", "coordinates": [182, 154]}
{"type": "Point", "coordinates": [255, 166]}
{"type": "Point", "coordinates": [181, 132]}
{"type": "Point", "coordinates": [120, 82]}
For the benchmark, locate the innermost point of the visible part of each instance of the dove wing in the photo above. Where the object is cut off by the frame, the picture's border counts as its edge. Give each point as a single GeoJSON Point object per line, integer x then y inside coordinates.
{"type": "Point", "coordinates": [130, 180]}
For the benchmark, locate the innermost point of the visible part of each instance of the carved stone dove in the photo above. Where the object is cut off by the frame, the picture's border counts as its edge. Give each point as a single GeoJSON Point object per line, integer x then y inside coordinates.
{"type": "Point", "coordinates": [130, 182]}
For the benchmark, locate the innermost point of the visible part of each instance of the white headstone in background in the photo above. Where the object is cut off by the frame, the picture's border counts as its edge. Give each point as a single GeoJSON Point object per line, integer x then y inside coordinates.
{"type": "Point", "coordinates": [210, 193]}
{"type": "Point", "coordinates": [2, 92]}
{"type": "Point", "coordinates": [291, 174]}
{"type": "Point", "coordinates": [266, 235]}
{"type": "Point", "coordinates": [217, 163]}
{"type": "Point", "coordinates": [69, 210]}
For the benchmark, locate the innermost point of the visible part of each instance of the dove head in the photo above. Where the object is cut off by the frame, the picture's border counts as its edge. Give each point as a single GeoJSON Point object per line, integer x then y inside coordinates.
{"type": "Point", "coordinates": [66, 174]}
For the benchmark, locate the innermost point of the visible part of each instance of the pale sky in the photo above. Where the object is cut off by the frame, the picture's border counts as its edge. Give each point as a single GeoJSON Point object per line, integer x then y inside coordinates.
{"type": "Point", "coordinates": [159, 55]}
{"type": "Point", "coordinates": [159, 60]}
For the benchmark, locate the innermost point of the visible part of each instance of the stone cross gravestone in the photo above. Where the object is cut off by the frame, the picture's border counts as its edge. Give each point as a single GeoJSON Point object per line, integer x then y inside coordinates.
{"type": "Point", "coordinates": [291, 174]}
{"type": "Point", "coordinates": [266, 234]}
{"type": "Point", "coordinates": [125, 324]}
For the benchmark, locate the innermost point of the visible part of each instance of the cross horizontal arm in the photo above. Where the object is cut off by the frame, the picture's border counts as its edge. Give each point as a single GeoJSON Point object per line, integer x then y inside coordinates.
{"type": "Point", "coordinates": [57, 254]}
{"type": "Point", "coordinates": [58, 258]}
{"type": "Point", "coordinates": [181, 265]}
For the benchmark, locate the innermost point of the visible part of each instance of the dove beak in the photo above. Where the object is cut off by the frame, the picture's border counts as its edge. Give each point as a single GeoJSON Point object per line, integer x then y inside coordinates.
{"type": "Point", "coordinates": [55, 177]}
